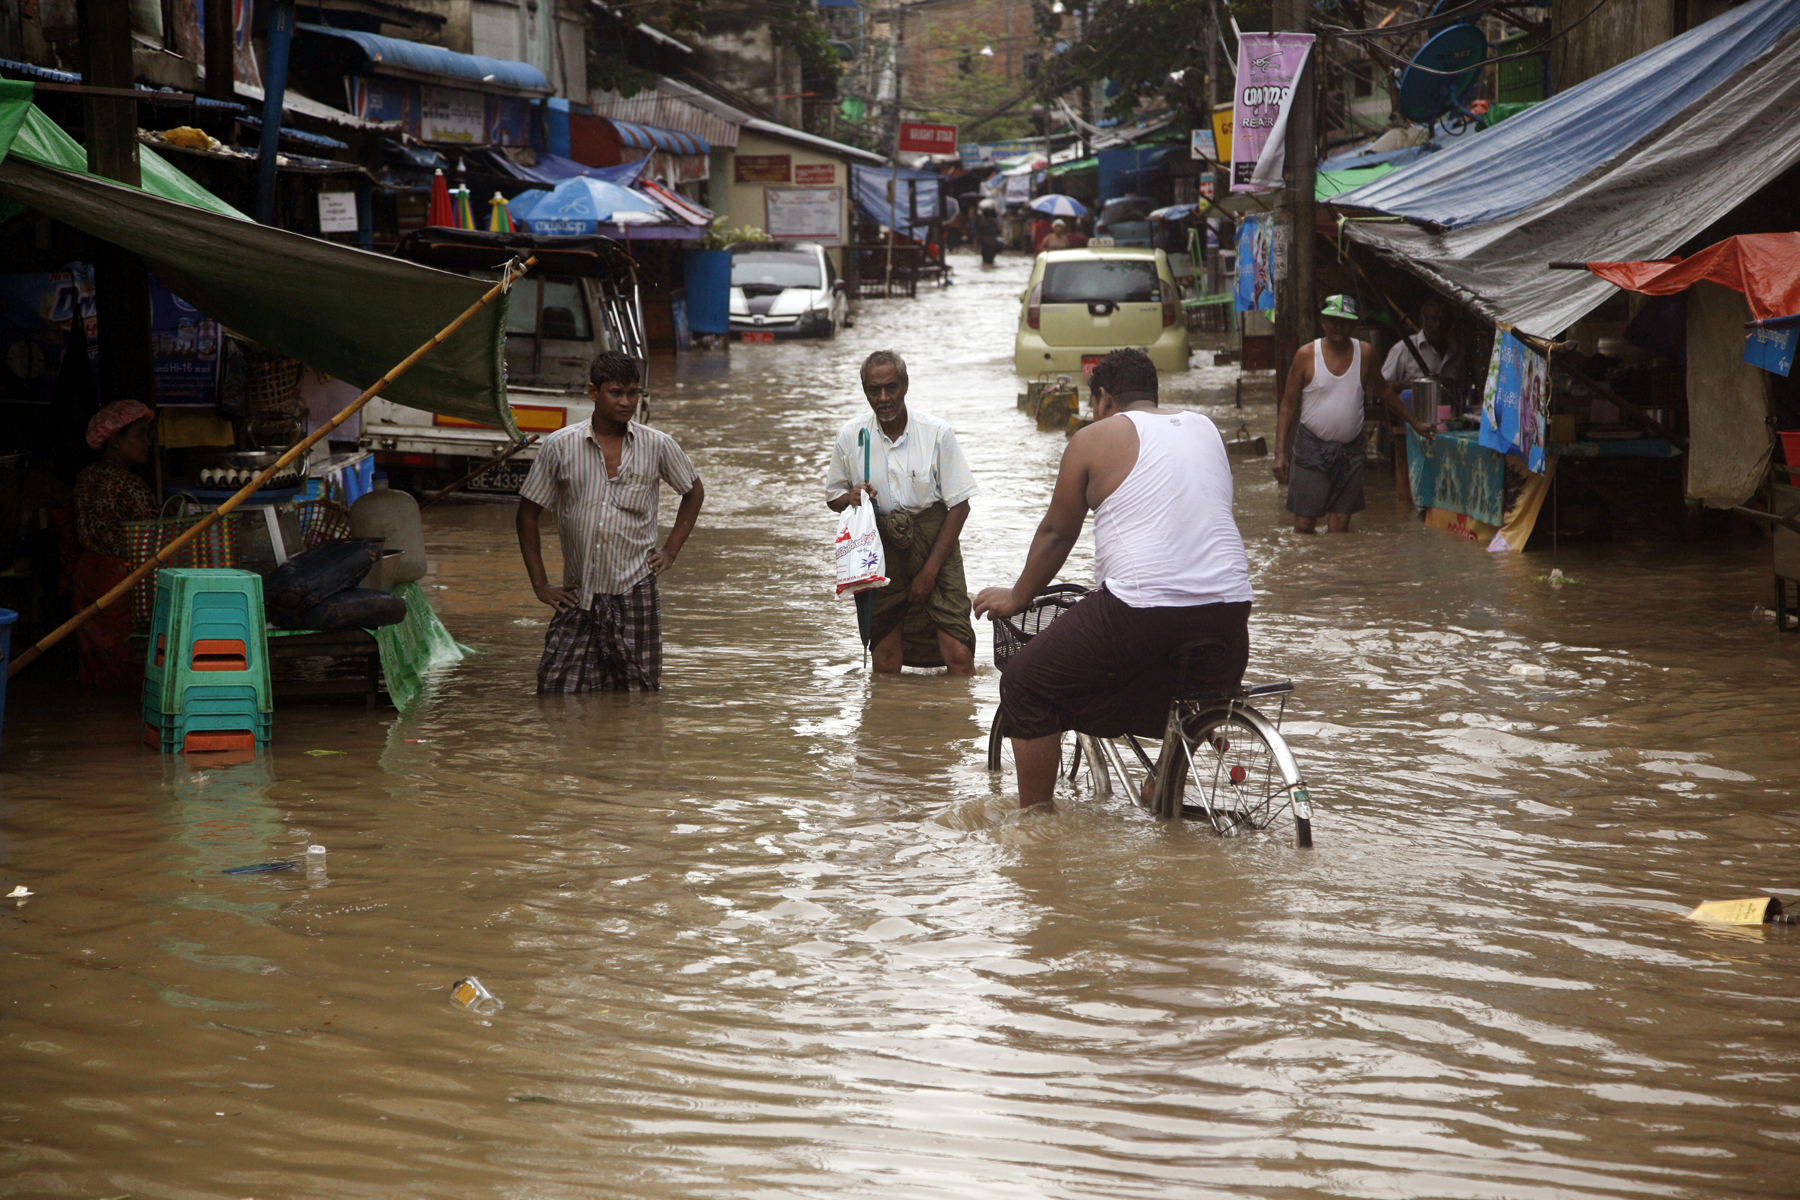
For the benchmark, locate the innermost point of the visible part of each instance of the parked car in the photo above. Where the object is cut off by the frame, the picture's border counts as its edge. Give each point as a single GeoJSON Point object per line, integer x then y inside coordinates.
{"type": "Point", "coordinates": [1124, 221]}
{"type": "Point", "coordinates": [1080, 305]}
{"type": "Point", "coordinates": [580, 299]}
{"type": "Point", "coordinates": [785, 290]}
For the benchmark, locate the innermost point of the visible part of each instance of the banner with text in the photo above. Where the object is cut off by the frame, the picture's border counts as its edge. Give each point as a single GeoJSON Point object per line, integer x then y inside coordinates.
{"type": "Point", "coordinates": [1268, 64]}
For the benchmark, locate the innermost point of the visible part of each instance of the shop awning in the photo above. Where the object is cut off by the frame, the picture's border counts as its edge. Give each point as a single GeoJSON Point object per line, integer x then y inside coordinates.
{"type": "Point", "coordinates": [552, 169]}
{"type": "Point", "coordinates": [433, 64]}
{"type": "Point", "coordinates": [1711, 119]}
{"type": "Point", "coordinates": [1536, 154]}
{"type": "Point", "coordinates": [343, 311]}
{"type": "Point", "coordinates": [1090, 163]}
{"type": "Point", "coordinates": [869, 186]}
{"type": "Point", "coordinates": [1765, 267]}
{"type": "Point", "coordinates": [650, 137]}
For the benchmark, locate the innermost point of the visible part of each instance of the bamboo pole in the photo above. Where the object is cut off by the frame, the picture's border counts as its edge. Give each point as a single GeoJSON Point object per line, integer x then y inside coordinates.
{"type": "Point", "coordinates": [512, 273]}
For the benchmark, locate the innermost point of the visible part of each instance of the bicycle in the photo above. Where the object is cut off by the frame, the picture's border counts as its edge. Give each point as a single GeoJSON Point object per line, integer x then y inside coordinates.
{"type": "Point", "coordinates": [1235, 759]}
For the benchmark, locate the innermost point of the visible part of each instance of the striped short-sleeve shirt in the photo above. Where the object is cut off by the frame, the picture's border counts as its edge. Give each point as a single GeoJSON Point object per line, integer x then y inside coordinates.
{"type": "Point", "coordinates": [607, 525]}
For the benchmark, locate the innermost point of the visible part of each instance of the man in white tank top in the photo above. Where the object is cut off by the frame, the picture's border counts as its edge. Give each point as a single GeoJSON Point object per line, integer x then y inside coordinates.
{"type": "Point", "coordinates": [1170, 567]}
{"type": "Point", "coordinates": [1319, 430]}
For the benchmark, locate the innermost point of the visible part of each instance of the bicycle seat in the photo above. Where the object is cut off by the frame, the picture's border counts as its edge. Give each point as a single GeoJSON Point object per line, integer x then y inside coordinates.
{"type": "Point", "coordinates": [1193, 659]}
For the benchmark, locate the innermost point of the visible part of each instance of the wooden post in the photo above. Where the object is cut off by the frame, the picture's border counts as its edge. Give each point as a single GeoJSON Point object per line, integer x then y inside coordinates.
{"type": "Point", "coordinates": [1296, 313]}
{"type": "Point", "coordinates": [109, 126]}
{"type": "Point", "coordinates": [221, 51]}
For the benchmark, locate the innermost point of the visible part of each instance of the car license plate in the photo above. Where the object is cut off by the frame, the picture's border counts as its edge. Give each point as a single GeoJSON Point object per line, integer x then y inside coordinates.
{"type": "Point", "coordinates": [768, 338]}
{"type": "Point", "coordinates": [1089, 362]}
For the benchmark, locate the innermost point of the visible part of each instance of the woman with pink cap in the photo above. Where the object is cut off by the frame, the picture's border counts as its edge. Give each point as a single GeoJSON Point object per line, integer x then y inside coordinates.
{"type": "Point", "coordinates": [109, 493]}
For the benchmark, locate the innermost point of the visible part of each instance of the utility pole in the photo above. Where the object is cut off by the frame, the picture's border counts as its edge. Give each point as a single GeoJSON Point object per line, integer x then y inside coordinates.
{"type": "Point", "coordinates": [109, 126]}
{"type": "Point", "coordinates": [1209, 30]}
{"type": "Point", "coordinates": [1296, 312]}
{"type": "Point", "coordinates": [894, 177]}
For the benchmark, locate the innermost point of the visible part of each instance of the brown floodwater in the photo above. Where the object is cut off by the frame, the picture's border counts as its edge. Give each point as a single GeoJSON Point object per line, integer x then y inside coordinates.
{"type": "Point", "coordinates": [777, 932]}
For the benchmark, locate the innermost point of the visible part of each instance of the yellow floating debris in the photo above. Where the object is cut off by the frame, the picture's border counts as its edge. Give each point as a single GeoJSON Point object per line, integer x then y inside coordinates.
{"type": "Point", "coordinates": [1757, 910]}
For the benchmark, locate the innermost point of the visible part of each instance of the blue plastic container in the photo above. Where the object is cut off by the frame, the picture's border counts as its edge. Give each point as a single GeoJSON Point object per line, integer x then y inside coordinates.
{"type": "Point", "coordinates": [706, 275]}
{"type": "Point", "coordinates": [7, 617]}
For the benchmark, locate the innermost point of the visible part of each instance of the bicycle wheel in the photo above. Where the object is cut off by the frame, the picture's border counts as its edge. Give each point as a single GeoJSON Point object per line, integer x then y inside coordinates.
{"type": "Point", "coordinates": [1236, 772]}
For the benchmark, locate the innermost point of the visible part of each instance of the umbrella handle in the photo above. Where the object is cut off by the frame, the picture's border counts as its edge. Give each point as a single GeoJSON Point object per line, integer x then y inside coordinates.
{"type": "Point", "coordinates": [862, 437]}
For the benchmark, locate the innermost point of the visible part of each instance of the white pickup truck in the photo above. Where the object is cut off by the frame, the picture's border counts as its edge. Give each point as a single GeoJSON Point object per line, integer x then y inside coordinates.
{"type": "Point", "coordinates": [581, 299]}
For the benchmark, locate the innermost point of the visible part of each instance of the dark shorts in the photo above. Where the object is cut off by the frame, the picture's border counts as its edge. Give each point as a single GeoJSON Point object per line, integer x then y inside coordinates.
{"type": "Point", "coordinates": [1107, 669]}
{"type": "Point", "coordinates": [1326, 477]}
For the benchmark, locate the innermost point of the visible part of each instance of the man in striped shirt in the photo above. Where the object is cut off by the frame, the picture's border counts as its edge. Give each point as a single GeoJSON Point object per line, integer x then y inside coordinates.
{"type": "Point", "coordinates": [600, 479]}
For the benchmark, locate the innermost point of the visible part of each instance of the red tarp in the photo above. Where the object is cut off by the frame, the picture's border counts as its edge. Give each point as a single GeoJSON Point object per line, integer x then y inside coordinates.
{"type": "Point", "coordinates": [1763, 266]}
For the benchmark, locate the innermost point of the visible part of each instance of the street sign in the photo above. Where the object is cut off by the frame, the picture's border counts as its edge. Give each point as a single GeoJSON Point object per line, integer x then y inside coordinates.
{"type": "Point", "coordinates": [1201, 145]}
{"type": "Point", "coordinates": [918, 138]}
{"type": "Point", "coordinates": [1221, 124]}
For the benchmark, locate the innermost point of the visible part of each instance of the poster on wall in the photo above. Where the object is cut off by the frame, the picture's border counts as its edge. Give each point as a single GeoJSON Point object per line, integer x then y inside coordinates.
{"type": "Point", "coordinates": [508, 121]}
{"type": "Point", "coordinates": [805, 214]}
{"type": "Point", "coordinates": [1513, 401]}
{"type": "Point", "coordinates": [36, 311]}
{"type": "Point", "coordinates": [1268, 64]}
{"type": "Point", "coordinates": [452, 115]}
{"type": "Point", "coordinates": [376, 99]}
{"type": "Point", "coordinates": [186, 345]}
{"type": "Point", "coordinates": [1255, 263]}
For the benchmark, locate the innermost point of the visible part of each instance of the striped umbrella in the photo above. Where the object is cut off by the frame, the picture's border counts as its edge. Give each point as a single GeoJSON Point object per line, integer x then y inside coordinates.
{"type": "Point", "coordinates": [1059, 206]}
{"type": "Point", "coordinates": [465, 210]}
{"type": "Point", "coordinates": [499, 219]}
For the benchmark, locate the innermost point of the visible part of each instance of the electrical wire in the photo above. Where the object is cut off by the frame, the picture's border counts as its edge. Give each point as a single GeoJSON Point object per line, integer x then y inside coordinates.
{"type": "Point", "coordinates": [1531, 53]}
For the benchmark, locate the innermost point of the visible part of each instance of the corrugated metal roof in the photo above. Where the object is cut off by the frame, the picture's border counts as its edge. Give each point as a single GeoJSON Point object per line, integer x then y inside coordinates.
{"type": "Point", "coordinates": [665, 110]}
{"type": "Point", "coordinates": [473, 69]}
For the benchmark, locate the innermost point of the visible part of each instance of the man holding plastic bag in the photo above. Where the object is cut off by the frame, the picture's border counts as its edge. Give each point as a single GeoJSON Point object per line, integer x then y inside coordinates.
{"type": "Point", "coordinates": [912, 603]}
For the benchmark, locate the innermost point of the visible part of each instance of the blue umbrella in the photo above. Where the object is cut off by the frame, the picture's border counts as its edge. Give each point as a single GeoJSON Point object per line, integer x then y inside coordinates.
{"type": "Point", "coordinates": [1059, 206]}
{"type": "Point", "coordinates": [1174, 212]}
{"type": "Point", "coordinates": [581, 205]}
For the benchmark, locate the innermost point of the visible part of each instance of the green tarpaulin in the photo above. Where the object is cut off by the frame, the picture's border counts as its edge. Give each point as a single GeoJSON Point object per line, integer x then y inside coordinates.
{"type": "Point", "coordinates": [346, 312]}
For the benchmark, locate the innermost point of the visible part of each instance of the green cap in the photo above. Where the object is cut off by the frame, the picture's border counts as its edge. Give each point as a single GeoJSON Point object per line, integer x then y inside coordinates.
{"type": "Point", "coordinates": [1340, 306]}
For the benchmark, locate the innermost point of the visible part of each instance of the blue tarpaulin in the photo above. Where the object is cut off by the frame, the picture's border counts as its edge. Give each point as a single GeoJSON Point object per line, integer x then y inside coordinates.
{"type": "Point", "coordinates": [379, 50]}
{"type": "Point", "coordinates": [1627, 167]}
{"type": "Point", "coordinates": [869, 185]}
{"type": "Point", "coordinates": [1536, 153]}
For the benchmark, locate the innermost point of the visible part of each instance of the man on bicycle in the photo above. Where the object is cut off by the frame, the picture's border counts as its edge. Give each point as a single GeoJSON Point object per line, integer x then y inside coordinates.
{"type": "Point", "coordinates": [1170, 570]}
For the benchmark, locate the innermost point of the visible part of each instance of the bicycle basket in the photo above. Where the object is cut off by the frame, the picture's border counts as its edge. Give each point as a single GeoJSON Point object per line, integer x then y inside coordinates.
{"type": "Point", "coordinates": [1011, 633]}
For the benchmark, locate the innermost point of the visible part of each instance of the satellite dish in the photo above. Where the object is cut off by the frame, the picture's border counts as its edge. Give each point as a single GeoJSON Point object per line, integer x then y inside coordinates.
{"type": "Point", "coordinates": [1426, 92]}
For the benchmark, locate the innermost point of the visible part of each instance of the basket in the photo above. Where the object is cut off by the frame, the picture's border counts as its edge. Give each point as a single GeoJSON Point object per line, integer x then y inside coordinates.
{"type": "Point", "coordinates": [1011, 633]}
{"type": "Point", "coordinates": [274, 383]}
{"type": "Point", "coordinates": [323, 521]}
{"type": "Point", "coordinates": [217, 547]}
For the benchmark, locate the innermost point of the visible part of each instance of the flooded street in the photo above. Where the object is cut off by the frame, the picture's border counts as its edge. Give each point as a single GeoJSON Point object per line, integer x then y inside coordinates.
{"type": "Point", "coordinates": [776, 931]}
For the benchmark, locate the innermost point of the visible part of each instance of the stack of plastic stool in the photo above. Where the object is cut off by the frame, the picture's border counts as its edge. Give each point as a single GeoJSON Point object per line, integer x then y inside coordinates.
{"type": "Point", "coordinates": [206, 669]}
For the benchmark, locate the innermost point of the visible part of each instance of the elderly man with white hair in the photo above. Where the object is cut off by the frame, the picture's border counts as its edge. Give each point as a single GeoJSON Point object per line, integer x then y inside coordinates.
{"type": "Point", "coordinates": [920, 485]}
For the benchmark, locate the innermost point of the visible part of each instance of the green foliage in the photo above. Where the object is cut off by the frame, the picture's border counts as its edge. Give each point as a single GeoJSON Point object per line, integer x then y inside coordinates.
{"type": "Point", "coordinates": [966, 83]}
{"type": "Point", "coordinates": [719, 235]}
{"type": "Point", "coordinates": [1128, 51]}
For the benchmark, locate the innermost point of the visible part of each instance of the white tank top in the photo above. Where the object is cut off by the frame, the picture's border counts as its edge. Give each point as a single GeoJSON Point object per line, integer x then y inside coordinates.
{"type": "Point", "coordinates": [1332, 405]}
{"type": "Point", "coordinates": [1166, 537]}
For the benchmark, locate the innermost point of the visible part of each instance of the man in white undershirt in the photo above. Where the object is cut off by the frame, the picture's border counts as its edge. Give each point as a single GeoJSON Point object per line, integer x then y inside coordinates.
{"type": "Point", "coordinates": [1169, 563]}
{"type": "Point", "coordinates": [1319, 431]}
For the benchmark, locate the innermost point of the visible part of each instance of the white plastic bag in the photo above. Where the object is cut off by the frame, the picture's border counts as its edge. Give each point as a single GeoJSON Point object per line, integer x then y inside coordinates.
{"type": "Point", "coordinates": [861, 565]}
